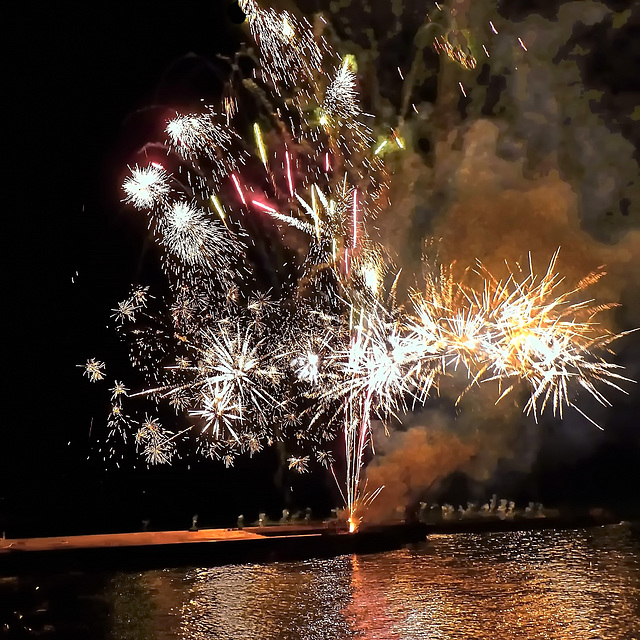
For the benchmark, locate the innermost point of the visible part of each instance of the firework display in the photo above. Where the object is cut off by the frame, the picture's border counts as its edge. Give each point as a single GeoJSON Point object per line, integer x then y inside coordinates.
{"type": "Point", "coordinates": [303, 337]}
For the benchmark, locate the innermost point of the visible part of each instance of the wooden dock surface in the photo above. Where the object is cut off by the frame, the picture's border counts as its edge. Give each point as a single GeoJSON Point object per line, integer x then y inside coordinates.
{"type": "Point", "coordinates": [141, 538]}
{"type": "Point", "coordinates": [208, 547]}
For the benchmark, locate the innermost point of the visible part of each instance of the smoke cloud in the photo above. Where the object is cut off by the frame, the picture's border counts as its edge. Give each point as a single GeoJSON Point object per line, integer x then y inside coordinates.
{"type": "Point", "coordinates": [414, 461]}
{"type": "Point", "coordinates": [538, 154]}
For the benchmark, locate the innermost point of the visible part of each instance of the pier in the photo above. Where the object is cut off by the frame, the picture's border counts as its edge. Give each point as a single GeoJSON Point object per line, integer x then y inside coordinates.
{"type": "Point", "coordinates": [209, 547]}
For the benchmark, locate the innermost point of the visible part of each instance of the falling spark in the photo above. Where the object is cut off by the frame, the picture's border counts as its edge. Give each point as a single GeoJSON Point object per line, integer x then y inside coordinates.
{"type": "Point", "coordinates": [289, 177]}
{"type": "Point", "coordinates": [236, 182]}
{"type": "Point", "coordinates": [260, 143]}
{"type": "Point", "coordinates": [380, 147]}
{"type": "Point", "coordinates": [455, 52]}
{"type": "Point", "coordinates": [218, 207]}
{"type": "Point", "coordinates": [264, 207]}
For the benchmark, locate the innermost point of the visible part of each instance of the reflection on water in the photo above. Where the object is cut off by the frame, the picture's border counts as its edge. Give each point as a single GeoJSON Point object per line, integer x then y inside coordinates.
{"type": "Point", "coordinates": [548, 584]}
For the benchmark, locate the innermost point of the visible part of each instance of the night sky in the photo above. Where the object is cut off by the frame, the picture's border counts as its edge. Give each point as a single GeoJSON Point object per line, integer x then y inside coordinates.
{"type": "Point", "coordinates": [86, 90]}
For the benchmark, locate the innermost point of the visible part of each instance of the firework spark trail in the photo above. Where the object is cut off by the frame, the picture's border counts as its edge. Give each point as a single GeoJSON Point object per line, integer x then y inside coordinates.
{"type": "Point", "coordinates": [345, 353]}
{"type": "Point", "coordinates": [455, 52]}
{"type": "Point", "coordinates": [547, 340]}
{"type": "Point", "coordinates": [291, 55]}
{"type": "Point", "coordinates": [519, 331]}
{"type": "Point", "coordinates": [197, 135]}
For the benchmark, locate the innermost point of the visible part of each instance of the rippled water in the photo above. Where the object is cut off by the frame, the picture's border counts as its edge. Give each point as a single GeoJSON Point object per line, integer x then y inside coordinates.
{"type": "Point", "coordinates": [559, 585]}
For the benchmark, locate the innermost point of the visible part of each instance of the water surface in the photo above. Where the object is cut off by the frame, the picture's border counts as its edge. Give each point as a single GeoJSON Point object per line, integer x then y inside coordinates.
{"type": "Point", "coordinates": [558, 585]}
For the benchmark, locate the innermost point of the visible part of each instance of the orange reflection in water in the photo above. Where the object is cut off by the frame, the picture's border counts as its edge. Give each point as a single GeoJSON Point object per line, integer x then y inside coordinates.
{"type": "Point", "coordinates": [368, 610]}
{"type": "Point", "coordinates": [560, 585]}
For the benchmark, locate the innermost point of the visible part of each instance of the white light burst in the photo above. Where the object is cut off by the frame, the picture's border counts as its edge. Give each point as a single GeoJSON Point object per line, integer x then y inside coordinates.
{"type": "Point", "coordinates": [195, 238]}
{"type": "Point", "coordinates": [148, 187]}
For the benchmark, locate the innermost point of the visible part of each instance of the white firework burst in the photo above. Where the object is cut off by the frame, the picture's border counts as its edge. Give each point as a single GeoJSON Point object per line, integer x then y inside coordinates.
{"type": "Point", "coordinates": [340, 102]}
{"type": "Point", "coordinates": [93, 369]}
{"type": "Point", "coordinates": [300, 464]}
{"type": "Point", "coordinates": [234, 358]}
{"type": "Point", "coordinates": [219, 410]}
{"type": "Point", "coordinates": [195, 238]}
{"type": "Point", "coordinates": [148, 187]}
{"type": "Point", "coordinates": [198, 136]}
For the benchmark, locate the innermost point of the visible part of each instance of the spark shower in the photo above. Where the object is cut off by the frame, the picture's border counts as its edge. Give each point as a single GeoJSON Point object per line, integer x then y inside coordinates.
{"type": "Point", "coordinates": [336, 344]}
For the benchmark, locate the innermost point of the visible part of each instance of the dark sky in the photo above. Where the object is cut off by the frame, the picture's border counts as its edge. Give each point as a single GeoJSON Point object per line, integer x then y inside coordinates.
{"type": "Point", "coordinates": [77, 79]}
{"type": "Point", "coordinates": [81, 76]}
